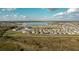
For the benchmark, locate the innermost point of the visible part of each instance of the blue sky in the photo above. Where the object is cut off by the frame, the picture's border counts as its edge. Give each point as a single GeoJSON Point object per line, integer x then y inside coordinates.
{"type": "Point", "coordinates": [26, 14]}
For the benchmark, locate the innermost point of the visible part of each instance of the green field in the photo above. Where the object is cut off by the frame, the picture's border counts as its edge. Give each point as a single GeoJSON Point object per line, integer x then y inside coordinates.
{"type": "Point", "coordinates": [17, 41]}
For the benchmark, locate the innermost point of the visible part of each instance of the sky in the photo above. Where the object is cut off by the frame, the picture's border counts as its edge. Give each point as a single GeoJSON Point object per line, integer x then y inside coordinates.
{"type": "Point", "coordinates": [47, 14]}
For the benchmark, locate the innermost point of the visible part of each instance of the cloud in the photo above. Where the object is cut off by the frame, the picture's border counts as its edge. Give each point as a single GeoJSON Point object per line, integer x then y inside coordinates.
{"type": "Point", "coordinates": [59, 14]}
{"type": "Point", "coordinates": [8, 9]}
{"type": "Point", "coordinates": [52, 9]}
{"type": "Point", "coordinates": [13, 17]}
{"type": "Point", "coordinates": [71, 10]}
{"type": "Point", "coordinates": [70, 14]}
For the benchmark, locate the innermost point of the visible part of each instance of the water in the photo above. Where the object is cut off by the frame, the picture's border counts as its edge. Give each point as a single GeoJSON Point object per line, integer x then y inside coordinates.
{"type": "Point", "coordinates": [37, 23]}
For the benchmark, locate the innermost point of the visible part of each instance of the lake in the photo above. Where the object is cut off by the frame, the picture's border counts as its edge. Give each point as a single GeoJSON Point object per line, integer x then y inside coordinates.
{"type": "Point", "coordinates": [37, 23]}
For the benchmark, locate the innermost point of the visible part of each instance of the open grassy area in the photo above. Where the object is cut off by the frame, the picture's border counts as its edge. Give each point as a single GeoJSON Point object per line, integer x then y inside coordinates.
{"type": "Point", "coordinates": [17, 41]}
